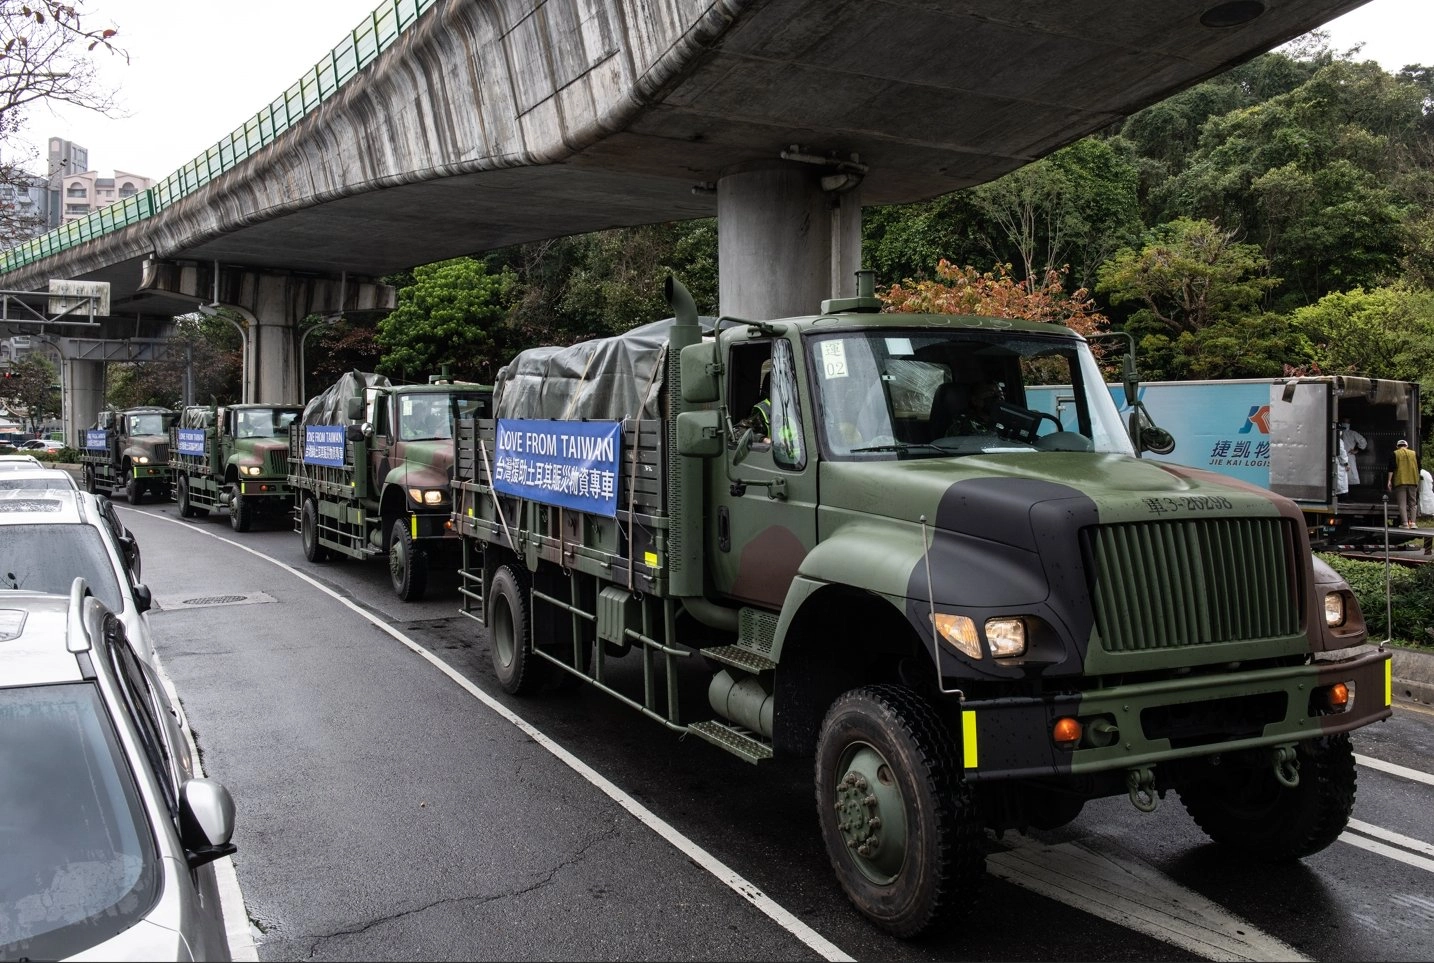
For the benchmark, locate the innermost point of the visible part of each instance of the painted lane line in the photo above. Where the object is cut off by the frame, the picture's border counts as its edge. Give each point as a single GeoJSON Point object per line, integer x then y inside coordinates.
{"type": "Point", "coordinates": [714, 866]}
{"type": "Point", "coordinates": [1395, 770]}
{"type": "Point", "coordinates": [1096, 876]}
{"type": "Point", "coordinates": [1374, 846]}
{"type": "Point", "coordinates": [1389, 836]}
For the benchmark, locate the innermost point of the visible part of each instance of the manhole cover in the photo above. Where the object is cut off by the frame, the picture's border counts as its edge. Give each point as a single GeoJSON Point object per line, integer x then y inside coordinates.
{"type": "Point", "coordinates": [203, 601]}
{"type": "Point", "coordinates": [214, 600]}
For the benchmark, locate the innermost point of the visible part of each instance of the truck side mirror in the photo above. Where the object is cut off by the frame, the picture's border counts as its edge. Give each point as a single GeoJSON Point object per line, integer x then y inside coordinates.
{"type": "Point", "coordinates": [699, 433]}
{"type": "Point", "coordinates": [1146, 435]}
{"type": "Point", "coordinates": [1132, 381]}
{"type": "Point", "coordinates": [700, 370]}
{"type": "Point", "coordinates": [353, 409]}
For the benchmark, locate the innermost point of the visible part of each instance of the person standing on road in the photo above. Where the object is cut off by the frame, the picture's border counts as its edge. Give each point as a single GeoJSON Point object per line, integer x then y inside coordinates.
{"type": "Point", "coordinates": [1346, 471]}
{"type": "Point", "coordinates": [1403, 481]}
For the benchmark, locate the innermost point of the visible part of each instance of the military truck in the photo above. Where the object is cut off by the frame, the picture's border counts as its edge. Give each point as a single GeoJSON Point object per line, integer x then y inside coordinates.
{"type": "Point", "coordinates": [128, 451]}
{"type": "Point", "coordinates": [370, 464]}
{"type": "Point", "coordinates": [235, 459]}
{"type": "Point", "coordinates": [966, 628]}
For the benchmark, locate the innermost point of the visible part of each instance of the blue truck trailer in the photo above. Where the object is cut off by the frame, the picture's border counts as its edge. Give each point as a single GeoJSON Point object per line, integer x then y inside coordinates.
{"type": "Point", "coordinates": [1281, 434]}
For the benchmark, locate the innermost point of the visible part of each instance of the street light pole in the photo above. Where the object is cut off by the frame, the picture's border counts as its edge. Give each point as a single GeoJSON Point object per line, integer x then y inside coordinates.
{"type": "Point", "coordinates": [325, 322]}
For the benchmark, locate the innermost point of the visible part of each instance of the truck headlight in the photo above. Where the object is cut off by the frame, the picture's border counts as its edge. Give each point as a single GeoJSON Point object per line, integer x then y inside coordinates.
{"type": "Point", "coordinates": [1007, 637]}
{"type": "Point", "coordinates": [141, 459]}
{"type": "Point", "coordinates": [250, 469]}
{"type": "Point", "coordinates": [1334, 613]}
{"type": "Point", "coordinates": [960, 633]}
{"type": "Point", "coordinates": [426, 496]}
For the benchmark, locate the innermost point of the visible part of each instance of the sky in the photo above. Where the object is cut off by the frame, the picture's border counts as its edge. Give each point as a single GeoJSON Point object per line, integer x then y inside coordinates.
{"type": "Point", "coordinates": [200, 68]}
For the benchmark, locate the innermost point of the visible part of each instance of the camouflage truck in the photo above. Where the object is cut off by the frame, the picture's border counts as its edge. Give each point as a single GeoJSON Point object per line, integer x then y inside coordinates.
{"type": "Point", "coordinates": [966, 628]}
{"type": "Point", "coordinates": [235, 459]}
{"type": "Point", "coordinates": [370, 465]}
{"type": "Point", "coordinates": [128, 451]}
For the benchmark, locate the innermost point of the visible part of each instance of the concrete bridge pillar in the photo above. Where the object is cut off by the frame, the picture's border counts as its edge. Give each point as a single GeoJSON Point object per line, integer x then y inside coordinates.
{"type": "Point", "coordinates": [83, 386]}
{"type": "Point", "coordinates": [788, 236]}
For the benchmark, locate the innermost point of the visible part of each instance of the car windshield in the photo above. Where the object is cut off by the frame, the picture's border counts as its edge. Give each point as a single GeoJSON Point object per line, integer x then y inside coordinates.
{"type": "Point", "coordinates": [425, 417]}
{"type": "Point", "coordinates": [264, 422]}
{"type": "Point", "coordinates": [48, 558]}
{"type": "Point", "coordinates": [147, 424]}
{"type": "Point", "coordinates": [933, 392]}
{"type": "Point", "coordinates": [79, 864]}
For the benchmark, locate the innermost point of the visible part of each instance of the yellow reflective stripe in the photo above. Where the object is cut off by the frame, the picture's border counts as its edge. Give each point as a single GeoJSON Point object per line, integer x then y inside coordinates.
{"type": "Point", "coordinates": [1388, 682]}
{"type": "Point", "coordinates": [413, 524]}
{"type": "Point", "coordinates": [968, 738]}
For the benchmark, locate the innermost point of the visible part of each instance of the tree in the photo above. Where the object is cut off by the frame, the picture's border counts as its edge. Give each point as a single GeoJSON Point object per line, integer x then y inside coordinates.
{"type": "Point", "coordinates": [447, 316]}
{"type": "Point", "coordinates": [45, 50]}
{"type": "Point", "coordinates": [997, 294]}
{"type": "Point", "coordinates": [31, 390]}
{"type": "Point", "coordinates": [1382, 333]}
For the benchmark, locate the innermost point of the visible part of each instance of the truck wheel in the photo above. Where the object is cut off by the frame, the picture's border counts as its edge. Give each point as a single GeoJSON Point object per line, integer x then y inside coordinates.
{"type": "Point", "coordinates": [1246, 807]}
{"type": "Point", "coordinates": [505, 608]}
{"type": "Point", "coordinates": [900, 825]}
{"type": "Point", "coordinates": [241, 510]}
{"type": "Point", "coordinates": [314, 551]}
{"type": "Point", "coordinates": [134, 491]}
{"type": "Point", "coordinates": [186, 509]}
{"type": "Point", "coordinates": [90, 485]}
{"type": "Point", "coordinates": [407, 563]}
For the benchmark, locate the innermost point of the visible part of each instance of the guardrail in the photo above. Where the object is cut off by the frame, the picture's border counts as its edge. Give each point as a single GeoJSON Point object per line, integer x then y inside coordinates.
{"type": "Point", "coordinates": [375, 34]}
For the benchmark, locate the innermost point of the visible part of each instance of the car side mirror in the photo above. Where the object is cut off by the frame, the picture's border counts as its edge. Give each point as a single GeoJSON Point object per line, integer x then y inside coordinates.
{"type": "Point", "coordinates": [206, 821]}
{"type": "Point", "coordinates": [143, 600]}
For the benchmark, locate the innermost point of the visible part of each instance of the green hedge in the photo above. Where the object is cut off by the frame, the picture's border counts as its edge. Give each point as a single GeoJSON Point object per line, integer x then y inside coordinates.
{"type": "Point", "coordinates": [1411, 597]}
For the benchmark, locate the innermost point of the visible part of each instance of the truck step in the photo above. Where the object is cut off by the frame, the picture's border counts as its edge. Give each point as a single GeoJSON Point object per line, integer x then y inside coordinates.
{"type": "Point", "coordinates": [736, 741]}
{"type": "Point", "coordinates": [739, 658]}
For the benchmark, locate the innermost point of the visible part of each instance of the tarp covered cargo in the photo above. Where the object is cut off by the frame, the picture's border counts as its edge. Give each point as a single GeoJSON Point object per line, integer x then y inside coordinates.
{"type": "Point", "coordinates": [327, 407]}
{"type": "Point", "coordinates": [197, 417]}
{"type": "Point", "coordinates": [604, 379]}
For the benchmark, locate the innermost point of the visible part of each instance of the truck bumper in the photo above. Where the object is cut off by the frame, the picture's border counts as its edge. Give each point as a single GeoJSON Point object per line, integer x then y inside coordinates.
{"type": "Point", "coordinates": [150, 472]}
{"type": "Point", "coordinates": [266, 488]}
{"type": "Point", "coordinates": [428, 527]}
{"type": "Point", "coordinates": [1144, 724]}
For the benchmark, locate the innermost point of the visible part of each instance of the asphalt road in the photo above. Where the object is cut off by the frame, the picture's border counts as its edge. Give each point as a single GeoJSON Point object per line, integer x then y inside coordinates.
{"type": "Point", "coordinates": [395, 804]}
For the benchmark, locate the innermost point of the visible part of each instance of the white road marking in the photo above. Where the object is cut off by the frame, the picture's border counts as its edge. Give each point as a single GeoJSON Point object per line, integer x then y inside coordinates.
{"type": "Point", "coordinates": [1408, 842]}
{"type": "Point", "coordinates": [1395, 770]}
{"type": "Point", "coordinates": [1373, 846]}
{"type": "Point", "coordinates": [1096, 876]}
{"type": "Point", "coordinates": [778, 914]}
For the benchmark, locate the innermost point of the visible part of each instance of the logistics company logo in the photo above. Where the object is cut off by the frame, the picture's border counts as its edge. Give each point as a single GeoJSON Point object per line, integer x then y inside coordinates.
{"type": "Point", "coordinates": [1259, 417]}
{"type": "Point", "coordinates": [569, 463]}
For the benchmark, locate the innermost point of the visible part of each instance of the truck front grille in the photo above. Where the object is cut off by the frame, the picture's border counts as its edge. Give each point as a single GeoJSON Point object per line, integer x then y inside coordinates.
{"type": "Point", "coordinates": [276, 463]}
{"type": "Point", "coordinates": [161, 454]}
{"type": "Point", "coordinates": [1162, 585]}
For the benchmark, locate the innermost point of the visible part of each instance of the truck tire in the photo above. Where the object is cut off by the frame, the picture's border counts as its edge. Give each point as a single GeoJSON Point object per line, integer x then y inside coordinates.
{"type": "Point", "coordinates": [407, 563]}
{"type": "Point", "coordinates": [1246, 807]}
{"type": "Point", "coordinates": [505, 611]}
{"type": "Point", "coordinates": [900, 825]}
{"type": "Point", "coordinates": [91, 485]}
{"type": "Point", "coordinates": [134, 490]}
{"type": "Point", "coordinates": [314, 551]}
{"type": "Point", "coordinates": [241, 510]}
{"type": "Point", "coordinates": [181, 488]}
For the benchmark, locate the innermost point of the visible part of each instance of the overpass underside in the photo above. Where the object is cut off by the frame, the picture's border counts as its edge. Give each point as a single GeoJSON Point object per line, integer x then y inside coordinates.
{"type": "Point", "coordinates": [494, 122]}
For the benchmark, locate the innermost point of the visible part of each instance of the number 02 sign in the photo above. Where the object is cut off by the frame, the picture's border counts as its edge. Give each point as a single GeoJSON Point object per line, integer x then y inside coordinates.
{"type": "Point", "coordinates": [834, 359]}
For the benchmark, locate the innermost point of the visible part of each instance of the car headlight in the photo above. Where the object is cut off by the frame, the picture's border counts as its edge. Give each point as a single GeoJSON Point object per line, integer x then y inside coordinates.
{"type": "Point", "coordinates": [426, 496]}
{"type": "Point", "coordinates": [250, 469]}
{"type": "Point", "coordinates": [141, 459]}
{"type": "Point", "coordinates": [1334, 611]}
{"type": "Point", "coordinates": [1007, 637]}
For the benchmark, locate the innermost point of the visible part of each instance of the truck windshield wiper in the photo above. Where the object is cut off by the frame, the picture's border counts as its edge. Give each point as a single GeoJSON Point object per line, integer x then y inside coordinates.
{"type": "Point", "coordinates": [902, 447]}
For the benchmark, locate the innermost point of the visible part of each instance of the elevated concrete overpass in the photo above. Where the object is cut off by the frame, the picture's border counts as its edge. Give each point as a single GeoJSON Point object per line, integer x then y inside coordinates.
{"type": "Point", "coordinates": [450, 127]}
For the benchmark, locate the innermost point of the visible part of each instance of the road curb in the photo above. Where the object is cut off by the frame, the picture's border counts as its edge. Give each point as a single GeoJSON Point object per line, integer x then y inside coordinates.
{"type": "Point", "coordinates": [1413, 672]}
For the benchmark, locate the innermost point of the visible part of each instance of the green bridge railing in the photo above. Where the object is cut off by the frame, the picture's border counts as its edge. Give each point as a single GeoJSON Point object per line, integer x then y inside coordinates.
{"type": "Point", "coordinates": [375, 34]}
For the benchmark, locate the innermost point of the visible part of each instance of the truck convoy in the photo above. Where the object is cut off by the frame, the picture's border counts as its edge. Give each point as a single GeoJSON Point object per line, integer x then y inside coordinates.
{"type": "Point", "coordinates": [233, 458]}
{"type": "Point", "coordinates": [129, 451]}
{"type": "Point", "coordinates": [370, 464]}
{"type": "Point", "coordinates": [1283, 434]}
{"type": "Point", "coordinates": [968, 620]}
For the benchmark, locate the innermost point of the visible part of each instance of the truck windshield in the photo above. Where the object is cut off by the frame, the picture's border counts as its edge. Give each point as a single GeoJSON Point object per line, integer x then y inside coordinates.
{"type": "Point", "coordinates": [932, 392]}
{"type": "Point", "coordinates": [429, 417]}
{"type": "Point", "coordinates": [264, 422]}
{"type": "Point", "coordinates": [147, 424]}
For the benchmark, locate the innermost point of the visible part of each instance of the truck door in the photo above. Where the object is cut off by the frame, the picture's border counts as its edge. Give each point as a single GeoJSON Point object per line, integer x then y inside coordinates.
{"type": "Point", "coordinates": [1301, 429]}
{"type": "Point", "coordinates": [382, 417]}
{"type": "Point", "coordinates": [763, 519]}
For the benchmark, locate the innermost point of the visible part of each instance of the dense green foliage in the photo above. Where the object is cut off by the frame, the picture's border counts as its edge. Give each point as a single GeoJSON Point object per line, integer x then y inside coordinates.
{"type": "Point", "coordinates": [1409, 605]}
